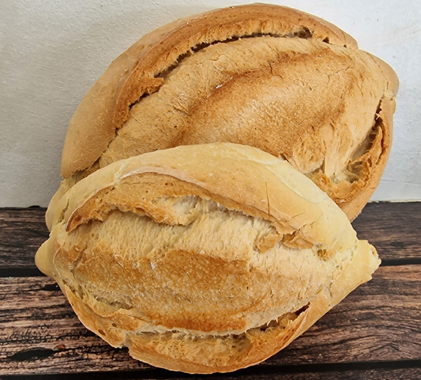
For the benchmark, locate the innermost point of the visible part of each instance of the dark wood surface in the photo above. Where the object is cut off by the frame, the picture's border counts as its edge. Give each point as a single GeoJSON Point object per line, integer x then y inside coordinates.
{"type": "Point", "coordinates": [375, 333]}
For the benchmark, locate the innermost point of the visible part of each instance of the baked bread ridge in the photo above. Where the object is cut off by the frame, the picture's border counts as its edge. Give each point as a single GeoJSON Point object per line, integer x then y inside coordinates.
{"type": "Point", "coordinates": [342, 145]}
{"type": "Point", "coordinates": [209, 166]}
{"type": "Point", "coordinates": [180, 351]}
{"type": "Point", "coordinates": [186, 189]}
{"type": "Point", "coordinates": [137, 71]}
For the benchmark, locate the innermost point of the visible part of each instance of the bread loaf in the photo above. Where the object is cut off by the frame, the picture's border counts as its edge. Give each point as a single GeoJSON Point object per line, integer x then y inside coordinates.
{"type": "Point", "coordinates": [202, 258]}
{"type": "Point", "coordinates": [262, 75]}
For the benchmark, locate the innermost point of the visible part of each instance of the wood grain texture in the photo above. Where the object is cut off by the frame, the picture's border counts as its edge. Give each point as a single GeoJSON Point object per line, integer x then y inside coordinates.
{"type": "Point", "coordinates": [22, 231]}
{"type": "Point", "coordinates": [375, 333]}
{"type": "Point", "coordinates": [39, 332]}
{"type": "Point", "coordinates": [393, 228]}
{"type": "Point", "coordinates": [331, 372]}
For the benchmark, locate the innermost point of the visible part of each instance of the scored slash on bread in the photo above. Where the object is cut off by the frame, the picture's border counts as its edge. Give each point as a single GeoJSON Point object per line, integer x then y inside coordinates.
{"type": "Point", "coordinates": [267, 76]}
{"type": "Point", "coordinates": [202, 258]}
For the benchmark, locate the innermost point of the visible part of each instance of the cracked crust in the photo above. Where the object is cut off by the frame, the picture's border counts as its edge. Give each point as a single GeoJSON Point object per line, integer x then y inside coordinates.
{"type": "Point", "coordinates": [263, 75]}
{"type": "Point", "coordinates": [202, 258]}
{"type": "Point", "coordinates": [137, 71]}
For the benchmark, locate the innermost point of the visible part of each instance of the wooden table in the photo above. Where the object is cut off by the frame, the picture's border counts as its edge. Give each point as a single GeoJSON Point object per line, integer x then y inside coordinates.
{"type": "Point", "coordinates": [375, 333]}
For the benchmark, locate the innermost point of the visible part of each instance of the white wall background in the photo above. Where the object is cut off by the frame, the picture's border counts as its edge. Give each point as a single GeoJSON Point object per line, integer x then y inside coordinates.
{"type": "Point", "coordinates": [51, 52]}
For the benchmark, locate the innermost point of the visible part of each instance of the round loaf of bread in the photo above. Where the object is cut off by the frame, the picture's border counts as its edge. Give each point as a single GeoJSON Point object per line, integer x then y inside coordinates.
{"type": "Point", "coordinates": [262, 75]}
{"type": "Point", "coordinates": [202, 258]}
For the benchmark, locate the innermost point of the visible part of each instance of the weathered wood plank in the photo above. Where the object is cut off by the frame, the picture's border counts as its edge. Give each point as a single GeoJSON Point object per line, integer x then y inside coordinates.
{"type": "Point", "coordinates": [325, 372]}
{"type": "Point", "coordinates": [393, 228]}
{"type": "Point", "coordinates": [22, 231]}
{"type": "Point", "coordinates": [380, 321]}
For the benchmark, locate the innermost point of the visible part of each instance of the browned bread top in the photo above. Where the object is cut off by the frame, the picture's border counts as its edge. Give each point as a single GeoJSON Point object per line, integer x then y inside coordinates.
{"type": "Point", "coordinates": [263, 75]}
{"type": "Point", "coordinates": [141, 68]}
{"type": "Point", "coordinates": [202, 258]}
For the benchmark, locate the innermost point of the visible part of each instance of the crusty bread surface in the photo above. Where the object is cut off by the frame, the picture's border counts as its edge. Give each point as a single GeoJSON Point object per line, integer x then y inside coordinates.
{"type": "Point", "coordinates": [202, 258]}
{"type": "Point", "coordinates": [263, 75]}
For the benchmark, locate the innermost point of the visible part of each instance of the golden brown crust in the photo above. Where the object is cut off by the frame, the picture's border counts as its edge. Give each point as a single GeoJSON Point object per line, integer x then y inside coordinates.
{"type": "Point", "coordinates": [207, 168]}
{"type": "Point", "coordinates": [272, 77]}
{"type": "Point", "coordinates": [202, 258]}
{"type": "Point", "coordinates": [180, 352]}
{"type": "Point", "coordinates": [105, 107]}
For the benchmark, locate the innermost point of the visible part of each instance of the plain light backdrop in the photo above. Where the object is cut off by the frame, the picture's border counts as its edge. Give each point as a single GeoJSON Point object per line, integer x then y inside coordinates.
{"type": "Point", "coordinates": [51, 52]}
